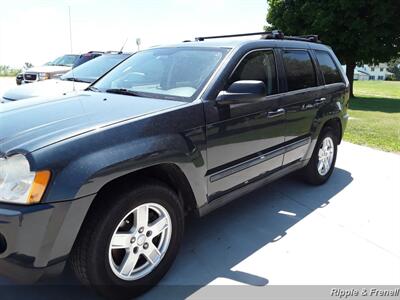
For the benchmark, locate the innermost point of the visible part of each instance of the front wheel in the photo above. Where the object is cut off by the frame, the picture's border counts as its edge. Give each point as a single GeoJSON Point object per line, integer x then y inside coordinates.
{"type": "Point", "coordinates": [129, 241]}
{"type": "Point", "coordinates": [323, 159]}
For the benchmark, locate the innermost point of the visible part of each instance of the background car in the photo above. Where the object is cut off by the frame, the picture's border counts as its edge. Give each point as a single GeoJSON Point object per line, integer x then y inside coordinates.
{"type": "Point", "coordinates": [66, 62]}
{"type": "Point", "coordinates": [76, 79]}
{"type": "Point", "coordinates": [54, 69]}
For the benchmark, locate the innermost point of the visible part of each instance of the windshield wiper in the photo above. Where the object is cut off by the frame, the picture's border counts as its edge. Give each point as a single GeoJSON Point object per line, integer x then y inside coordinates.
{"type": "Point", "coordinates": [93, 89]}
{"type": "Point", "coordinates": [75, 79]}
{"type": "Point", "coordinates": [124, 92]}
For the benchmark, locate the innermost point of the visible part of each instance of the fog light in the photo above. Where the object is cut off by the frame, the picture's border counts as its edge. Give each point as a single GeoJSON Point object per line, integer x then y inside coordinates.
{"type": "Point", "coordinates": [3, 244]}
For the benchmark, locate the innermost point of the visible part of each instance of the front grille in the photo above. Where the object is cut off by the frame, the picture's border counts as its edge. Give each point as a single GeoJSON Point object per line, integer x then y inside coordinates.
{"type": "Point", "coordinates": [30, 76]}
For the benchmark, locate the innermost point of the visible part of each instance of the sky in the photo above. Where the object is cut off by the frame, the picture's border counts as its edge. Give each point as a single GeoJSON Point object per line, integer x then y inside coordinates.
{"type": "Point", "coordinates": [37, 31]}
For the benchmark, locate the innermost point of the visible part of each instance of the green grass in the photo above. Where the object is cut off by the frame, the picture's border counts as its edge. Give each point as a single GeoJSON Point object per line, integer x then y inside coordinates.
{"type": "Point", "coordinates": [375, 115]}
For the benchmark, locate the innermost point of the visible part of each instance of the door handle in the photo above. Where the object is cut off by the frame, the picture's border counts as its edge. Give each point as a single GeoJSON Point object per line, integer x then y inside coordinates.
{"type": "Point", "coordinates": [320, 100]}
{"type": "Point", "coordinates": [276, 113]}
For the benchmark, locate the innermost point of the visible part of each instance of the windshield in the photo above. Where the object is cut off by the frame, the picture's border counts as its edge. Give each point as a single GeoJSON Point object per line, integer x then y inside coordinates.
{"type": "Point", "coordinates": [92, 70]}
{"type": "Point", "coordinates": [166, 73]}
{"type": "Point", "coordinates": [66, 60]}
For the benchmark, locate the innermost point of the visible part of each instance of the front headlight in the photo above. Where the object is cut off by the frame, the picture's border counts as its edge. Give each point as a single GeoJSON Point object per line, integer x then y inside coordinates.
{"type": "Point", "coordinates": [44, 76]}
{"type": "Point", "coordinates": [18, 184]}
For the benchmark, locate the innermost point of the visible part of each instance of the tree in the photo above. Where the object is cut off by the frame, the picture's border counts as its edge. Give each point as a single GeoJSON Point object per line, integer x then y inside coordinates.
{"type": "Point", "coordinates": [7, 71]}
{"type": "Point", "coordinates": [4, 70]}
{"type": "Point", "coordinates": [27, 65]}
{"type": "Point", "coordinates": [359, 31]}
{"type": "Point", "coordinates": [394, 67]}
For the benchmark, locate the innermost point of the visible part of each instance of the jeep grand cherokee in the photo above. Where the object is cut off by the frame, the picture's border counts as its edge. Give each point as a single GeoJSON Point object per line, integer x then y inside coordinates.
{"type": "Point", "coordinates": [103, 180]}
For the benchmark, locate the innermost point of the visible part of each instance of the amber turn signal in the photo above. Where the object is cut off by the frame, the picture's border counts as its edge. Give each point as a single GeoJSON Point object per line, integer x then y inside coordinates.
{"type": "Point", "coordinates": [38, 187]}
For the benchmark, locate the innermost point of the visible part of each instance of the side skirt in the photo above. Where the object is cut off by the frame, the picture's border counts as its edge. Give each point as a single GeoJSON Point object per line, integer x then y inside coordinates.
{"type": "Point", "coordinates": [251, 186]}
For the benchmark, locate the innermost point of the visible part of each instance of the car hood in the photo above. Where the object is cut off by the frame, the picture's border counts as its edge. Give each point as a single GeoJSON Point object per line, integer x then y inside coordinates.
{"type": "Point", "coordinates": [28, 125]}
{"type": "Point", "coordinates": [48, 69]}
{"type": "Point", "coordinates": [46, 88]}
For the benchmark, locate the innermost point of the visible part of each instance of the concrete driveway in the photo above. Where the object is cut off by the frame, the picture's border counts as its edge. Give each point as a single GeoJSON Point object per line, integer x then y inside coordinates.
{"type": "Point", "coordinates": [346, 232]}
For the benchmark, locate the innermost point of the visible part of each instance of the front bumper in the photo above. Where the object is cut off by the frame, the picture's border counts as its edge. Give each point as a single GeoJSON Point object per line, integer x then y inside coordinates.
{"type": "Point", "coordinates": [36, 240]}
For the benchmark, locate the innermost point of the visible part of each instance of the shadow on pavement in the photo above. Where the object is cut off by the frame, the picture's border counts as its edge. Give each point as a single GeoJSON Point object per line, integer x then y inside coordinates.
{"type": "Point", "coordinates": [213, 245]}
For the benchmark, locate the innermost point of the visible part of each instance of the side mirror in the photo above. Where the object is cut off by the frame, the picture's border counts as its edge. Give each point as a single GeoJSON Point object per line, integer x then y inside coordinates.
{"type": "Point", "coordinates": [243, 91]}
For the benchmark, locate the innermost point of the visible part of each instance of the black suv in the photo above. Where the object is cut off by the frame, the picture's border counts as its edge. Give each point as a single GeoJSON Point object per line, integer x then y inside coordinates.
{"type": "Point", "coordinates": [103, 179]}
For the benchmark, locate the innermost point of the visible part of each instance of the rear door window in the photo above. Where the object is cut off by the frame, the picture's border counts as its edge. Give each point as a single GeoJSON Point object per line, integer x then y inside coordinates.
{"type": "Point", "coordinates": [300, 72]}
{"type": "Point", "coordinates": [328, 67]}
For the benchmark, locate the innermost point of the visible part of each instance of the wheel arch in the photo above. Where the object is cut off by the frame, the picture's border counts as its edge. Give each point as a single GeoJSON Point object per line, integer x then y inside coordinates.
{"type": "Point", "coordinates": [167, 173]}
{"type": "Point", "coordinates": [336, 125]}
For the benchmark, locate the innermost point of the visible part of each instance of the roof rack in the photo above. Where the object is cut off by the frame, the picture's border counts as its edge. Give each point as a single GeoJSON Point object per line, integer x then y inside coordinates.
{"type": "Point", "coordinates": [304, 38]}
{"type": "Point", "coordinates": [275, 34]}
{"type": "Point", "coordinates": [113, 52]}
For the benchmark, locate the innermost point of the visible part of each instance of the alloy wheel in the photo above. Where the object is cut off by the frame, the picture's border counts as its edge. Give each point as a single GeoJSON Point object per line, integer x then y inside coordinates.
{"type": "Point", "coordinates": [325, 156]}
{"type": "Point", "coordinates": [140, 241]}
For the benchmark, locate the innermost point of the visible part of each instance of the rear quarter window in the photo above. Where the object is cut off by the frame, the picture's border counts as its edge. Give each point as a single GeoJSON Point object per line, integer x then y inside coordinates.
{"type": "Point", "coordinates": [328, 67]}
{"type": "Point", "coordinates": [300, 72]}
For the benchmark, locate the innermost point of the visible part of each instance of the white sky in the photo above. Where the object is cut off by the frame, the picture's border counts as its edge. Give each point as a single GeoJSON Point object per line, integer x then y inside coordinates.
{"type": "Point", "coordinates": [37, 31]}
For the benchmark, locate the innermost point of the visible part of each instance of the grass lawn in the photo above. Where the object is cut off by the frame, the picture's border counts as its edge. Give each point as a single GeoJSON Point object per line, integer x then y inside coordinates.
{"type": "Point", "coordinates": [375, 115]}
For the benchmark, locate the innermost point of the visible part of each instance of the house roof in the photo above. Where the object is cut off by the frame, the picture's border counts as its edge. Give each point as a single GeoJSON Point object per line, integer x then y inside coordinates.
{"type": "Point", "coordinates": [359, 72]}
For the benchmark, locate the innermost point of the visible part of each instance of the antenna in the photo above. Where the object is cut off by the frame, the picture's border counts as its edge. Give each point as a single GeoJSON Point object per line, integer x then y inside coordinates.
{"type": "Point", "coordinates": [123, 46]}
{"type": "Point", "coordinates": [70, 44]}
{"type": "Point", "coordinates": [70, 28]}
{"type": "Point", "coordinates": [138, 43]}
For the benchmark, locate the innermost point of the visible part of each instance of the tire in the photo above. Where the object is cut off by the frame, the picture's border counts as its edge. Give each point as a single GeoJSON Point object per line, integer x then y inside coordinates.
{"type": "Point", "coordinates": [311, 174]}
{"type": "Point", "coordinates": [97, 265]}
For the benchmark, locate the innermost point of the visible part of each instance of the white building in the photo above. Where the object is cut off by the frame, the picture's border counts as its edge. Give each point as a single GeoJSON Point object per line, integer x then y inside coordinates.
{"type": "Point", "coordinates": [361, 75]}
{"type": "Point", "coordinates": [375, 72]}
{"type": "Point", "coordinates": [371, 72]}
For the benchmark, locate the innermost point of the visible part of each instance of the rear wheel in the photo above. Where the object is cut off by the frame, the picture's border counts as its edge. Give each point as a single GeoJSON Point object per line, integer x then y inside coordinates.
{"type": "Point", "coordinates": [323, 159]}
{"type": "Point", "coordinates": [128, 243]}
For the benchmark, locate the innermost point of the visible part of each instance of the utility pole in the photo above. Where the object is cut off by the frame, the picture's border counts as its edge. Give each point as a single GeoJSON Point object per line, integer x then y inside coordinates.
{"type": "Point", "coordinates": [70, 45]}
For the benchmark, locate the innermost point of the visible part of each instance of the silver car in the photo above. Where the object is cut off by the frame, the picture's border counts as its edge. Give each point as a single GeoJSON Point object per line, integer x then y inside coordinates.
{"type": "Point", "coordinates": [75, 80]}
{"type": "Point", "coordinates": [54, 69]}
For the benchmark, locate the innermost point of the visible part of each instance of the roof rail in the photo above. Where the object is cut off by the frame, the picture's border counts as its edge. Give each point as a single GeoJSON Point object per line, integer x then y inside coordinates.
{"type": "Point", "coordinates": [302, 38]}
{"type": "Point", "coordinates": [113, 52]}
{"type": "Point", "coordinates": [202, 38]}
{"type": "Point", "coordinates": [275, 34]}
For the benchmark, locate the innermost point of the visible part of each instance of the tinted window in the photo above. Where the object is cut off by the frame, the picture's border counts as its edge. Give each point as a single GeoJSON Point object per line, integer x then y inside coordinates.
{"type": "Point", "coordinates": [66, 60]}
{"type": "Point", "coordinates": [85, 58]}
{"type": "Point", "coordinates": [328, 67]}
{"type": "Point", "coordinates": [258, 65]}
{"type": "Point", "coordinates": [299, 69]}
{"type": "Point", "coordinates": [95, 68]}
